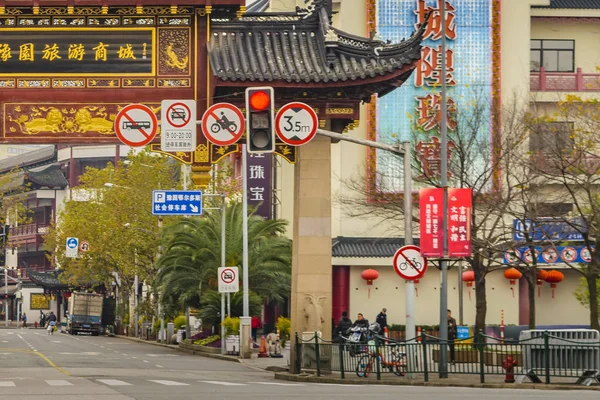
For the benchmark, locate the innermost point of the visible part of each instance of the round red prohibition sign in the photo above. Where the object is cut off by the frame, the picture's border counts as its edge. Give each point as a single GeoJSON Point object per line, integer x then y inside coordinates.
{"type": "Point", "coordinates": [223, 124]}
{"type": "Point", "coordinates": [181, 112]}
{"type": "Point", "coordinates": [409, 263]}
{"type": "Point", "coordinates": [228, 275]}
{"type": "Point", "coordinates": [136, 125]}
{"type": "Point", "coordinates": [296, 123]}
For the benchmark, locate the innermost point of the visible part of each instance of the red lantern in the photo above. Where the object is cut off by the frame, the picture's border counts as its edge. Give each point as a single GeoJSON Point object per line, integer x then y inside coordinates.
{"type": "Point", "coordinates": [513, 275]}
{"type": "Point", "coordinates": [542, 274]}
{"type": "Point", "coordinates": [553, 278]}
{"type": "Point", "coordinates": [469, 278]}
{"type": "Point", "coordinates": [369, 275]}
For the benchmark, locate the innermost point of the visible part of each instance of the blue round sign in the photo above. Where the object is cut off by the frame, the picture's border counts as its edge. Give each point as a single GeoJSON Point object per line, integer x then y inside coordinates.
{"type": "Point", "coordinates": [72, 243]}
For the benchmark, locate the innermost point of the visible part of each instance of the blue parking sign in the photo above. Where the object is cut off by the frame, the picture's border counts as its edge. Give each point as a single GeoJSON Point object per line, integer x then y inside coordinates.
{"type": "Point", "coordinates": [462, 332]}
{"type": "Point", "coordinates": [177, 202]}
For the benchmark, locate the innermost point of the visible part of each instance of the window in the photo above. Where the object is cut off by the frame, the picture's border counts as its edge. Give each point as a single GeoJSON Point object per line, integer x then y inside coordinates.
{"type": "Point", "coordinates": [553, 55]}
{"type": "Point", "coordinates": [551, 137]}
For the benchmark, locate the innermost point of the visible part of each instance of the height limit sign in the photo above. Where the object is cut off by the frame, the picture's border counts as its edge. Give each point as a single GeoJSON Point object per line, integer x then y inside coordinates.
{"type": "Point", "coordinates": [178, 125]}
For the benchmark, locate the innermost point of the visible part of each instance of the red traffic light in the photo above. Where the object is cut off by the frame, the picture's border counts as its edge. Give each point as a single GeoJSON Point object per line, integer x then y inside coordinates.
{"type": "Point", "coordinates": [259, 101]}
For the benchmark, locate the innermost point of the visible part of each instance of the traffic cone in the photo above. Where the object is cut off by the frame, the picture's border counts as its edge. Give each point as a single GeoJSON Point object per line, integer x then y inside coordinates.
{"type": "Point", "coordinates": [418, 334]}
{"type": "Point", "coordinates": [385, 332]}
{"type": "Point", "coordinates": [263, 348]}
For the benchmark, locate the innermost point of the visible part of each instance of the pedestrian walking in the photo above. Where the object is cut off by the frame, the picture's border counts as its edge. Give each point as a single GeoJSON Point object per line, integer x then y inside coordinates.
{"type": "Point", "coordinates": [451, 335]}
{"type": "Point", "coordinates": [42, 319]}
{"type": "Point", "coordinates": [24, 319]}
{"type": "Point", "coordinates": [382, 319]}
{"type": "Point", "coordinates": [255, 324]}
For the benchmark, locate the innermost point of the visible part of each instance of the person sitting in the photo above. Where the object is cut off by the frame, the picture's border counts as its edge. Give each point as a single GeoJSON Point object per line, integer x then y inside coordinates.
{"type": "Point", "coordinates": [343, 325]}
{"type": "Point", "coordinates": [361, 322]}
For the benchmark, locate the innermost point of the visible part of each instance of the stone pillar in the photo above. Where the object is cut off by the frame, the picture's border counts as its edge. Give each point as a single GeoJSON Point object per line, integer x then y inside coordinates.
{"type": "Point", "coordinates": [311, 258]}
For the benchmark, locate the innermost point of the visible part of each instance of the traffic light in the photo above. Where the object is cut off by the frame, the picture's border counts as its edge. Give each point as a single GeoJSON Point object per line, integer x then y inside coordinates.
{"type": "Point", "coordinates": [260, 119]}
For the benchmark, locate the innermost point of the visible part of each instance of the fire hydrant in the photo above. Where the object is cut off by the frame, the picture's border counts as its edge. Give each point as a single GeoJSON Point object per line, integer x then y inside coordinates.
{"type": "Point", "coordinates": [35, 324]}
{"type": "Point", "coordinates": [509, 366]}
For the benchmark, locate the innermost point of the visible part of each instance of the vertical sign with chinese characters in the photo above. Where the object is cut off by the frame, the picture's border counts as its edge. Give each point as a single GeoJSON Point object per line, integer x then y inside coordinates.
{"type": "Point", "coordinates": [460, 206]}
{"type": "Point", "coordinates": [260, 183]}
{"type": "Point", "coordinates": [416, 108]}
{"type": "Point", "coordinates": [431, 204]}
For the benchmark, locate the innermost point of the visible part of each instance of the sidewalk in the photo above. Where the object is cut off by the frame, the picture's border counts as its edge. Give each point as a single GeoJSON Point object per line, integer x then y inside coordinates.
{"type": "Point", "coordinates": [470, 381]}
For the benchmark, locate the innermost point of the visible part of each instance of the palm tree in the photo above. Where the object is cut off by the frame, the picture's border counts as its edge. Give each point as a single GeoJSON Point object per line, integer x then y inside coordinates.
{"type": "Point", "coordinates": [192, 255]}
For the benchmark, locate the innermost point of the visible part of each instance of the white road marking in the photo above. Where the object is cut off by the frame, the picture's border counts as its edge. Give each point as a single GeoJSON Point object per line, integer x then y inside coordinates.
{"type": "Point", "coordinates": [113, 382]}
{"type": "Point", "coordinates": [162, 355]}
{"type": "Point", "coordinates": [278, 384]}
{"type": "Point", "coordinates": [146, 361]}
{"type": "Point", "coordinates": [169, 383]}
{"type": "Point", "coordinates": [135, 358]}
{"type": "Point", "coordinates": [7, 384]}
{"type": "Point", "coordinates": [224, 383]}
{"type": "Point", "coordinates": [159, 366]}
{"type": "Point", "coordinates": [56, 341]}
{"type": "Point", "coordinates": [59, 382]}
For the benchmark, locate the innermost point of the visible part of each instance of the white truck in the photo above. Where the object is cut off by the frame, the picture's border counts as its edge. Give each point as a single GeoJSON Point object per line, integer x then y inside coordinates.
{"type": "Point", "coordinates": [85, 313]}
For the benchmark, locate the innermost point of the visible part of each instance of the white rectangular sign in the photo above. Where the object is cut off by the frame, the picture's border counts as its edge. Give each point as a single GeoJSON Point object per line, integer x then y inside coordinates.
{"type": "Point", "coordinates": [178, 125]}
{"type": "Point", "coordinates": [72, 246]}
{"type": "Point", "coordinates": [229, 281]}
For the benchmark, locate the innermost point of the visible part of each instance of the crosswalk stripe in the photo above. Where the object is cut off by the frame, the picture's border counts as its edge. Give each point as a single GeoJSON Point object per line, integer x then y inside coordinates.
{"type": "Point", "coordinates": [113, 382]}
{"type": "Point", "coordinates": [278, 384]}
{"type": "Point", "coordinates": [59, 382]}
{"type": "Point", "coordinates": [224, 383]}
{"type": "Point", "coordinates": [169, 383]}
{"type": "Point", "coordinates": [7, 384]}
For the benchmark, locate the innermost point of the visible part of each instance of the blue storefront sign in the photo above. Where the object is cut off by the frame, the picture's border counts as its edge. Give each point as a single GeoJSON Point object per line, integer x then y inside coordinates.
{"type": "Point", "coordinates": [177, 202]}
{"type": "Point", "coordinates": [462, 332]}
{"type": "Point", "coordinates": [549, 229]}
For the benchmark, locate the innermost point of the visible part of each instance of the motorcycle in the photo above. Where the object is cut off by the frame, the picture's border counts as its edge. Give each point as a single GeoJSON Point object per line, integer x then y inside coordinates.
{"type": "Point", "coordinates": [358, 337]}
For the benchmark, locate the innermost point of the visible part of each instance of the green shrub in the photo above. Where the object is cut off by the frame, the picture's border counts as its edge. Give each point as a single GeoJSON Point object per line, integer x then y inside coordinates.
{"type": "Point", "coordinates": [179, 322]}
{"type": "Point", "coordinates": [208, 340]}
{"type": "Point", "coordinates": [283, 324]}
{"type": "Point", "coordinates": [232, 325]}
{"type": "Point", "coordinates": [397, 328]}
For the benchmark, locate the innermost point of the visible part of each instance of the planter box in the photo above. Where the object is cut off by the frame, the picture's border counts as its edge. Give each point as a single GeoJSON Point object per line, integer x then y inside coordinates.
{"type": "Point", "coordinates": [195, 348]}
{"type": "Point", "coordinates": [497, 358]}
{"type": "Point", "coordinates": [461, 356]}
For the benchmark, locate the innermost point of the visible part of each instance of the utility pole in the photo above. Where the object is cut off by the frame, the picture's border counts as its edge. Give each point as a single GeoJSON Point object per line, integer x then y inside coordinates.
{"type": "Point", "coordinates": [443, 373]}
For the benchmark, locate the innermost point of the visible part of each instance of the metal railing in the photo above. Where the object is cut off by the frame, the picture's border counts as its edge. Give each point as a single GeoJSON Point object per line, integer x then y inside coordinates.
{"type": "Point", "coordinates": [544, 355]}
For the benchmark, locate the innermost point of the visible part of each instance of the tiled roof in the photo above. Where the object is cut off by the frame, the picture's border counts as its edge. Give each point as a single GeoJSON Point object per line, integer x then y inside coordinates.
{"type": "Point", "coordinates": [257, 6]}
{"type": "Point", "coordinates": [303, 47]}
{"type": "Point", "coordinates": [365, 246]}
{"type": "Point", "coordinates": [48, 279]}
{"type": "Point", "coordinates": [570, 4]}
{"type": "Point", "coordinates": [46, 153]}
{"type": "Point", "coordinates": [51, 177]}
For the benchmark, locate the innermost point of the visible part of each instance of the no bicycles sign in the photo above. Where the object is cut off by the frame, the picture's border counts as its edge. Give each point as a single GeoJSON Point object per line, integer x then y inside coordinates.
{"type": "Point", "coordinates": [409, 263]}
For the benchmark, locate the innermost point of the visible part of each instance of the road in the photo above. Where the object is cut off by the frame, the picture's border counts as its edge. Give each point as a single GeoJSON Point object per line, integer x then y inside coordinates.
{"type": "Point", "coordinates": [34, 365]}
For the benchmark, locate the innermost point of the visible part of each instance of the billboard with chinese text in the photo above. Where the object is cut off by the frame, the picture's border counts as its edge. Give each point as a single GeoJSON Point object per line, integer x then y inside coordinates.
{"type": "Point", "coordinates": [414, 110]}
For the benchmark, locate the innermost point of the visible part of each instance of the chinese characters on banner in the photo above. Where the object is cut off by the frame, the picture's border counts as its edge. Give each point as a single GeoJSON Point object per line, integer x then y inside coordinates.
{"type": "Point", "coordinates": [459, 222]}
{"type": "Point", "coordinates": [260, 183]}
{"type": "Point", "coordinates": [431, 202]}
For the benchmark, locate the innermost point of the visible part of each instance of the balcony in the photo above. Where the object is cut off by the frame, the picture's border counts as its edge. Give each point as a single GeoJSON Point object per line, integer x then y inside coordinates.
{"type": "Point", "coordinates": [543, 81]}
{"type": "Point", "coordinates": [29, 230]}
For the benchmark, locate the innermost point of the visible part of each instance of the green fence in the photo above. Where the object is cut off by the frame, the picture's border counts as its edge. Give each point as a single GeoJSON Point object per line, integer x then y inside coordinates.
{"type": "Point", "coordinates": [537, 358]}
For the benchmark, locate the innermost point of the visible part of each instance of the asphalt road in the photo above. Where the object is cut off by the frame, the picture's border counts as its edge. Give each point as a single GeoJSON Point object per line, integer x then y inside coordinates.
{"type": "Point", "coordinates": [34, 365]}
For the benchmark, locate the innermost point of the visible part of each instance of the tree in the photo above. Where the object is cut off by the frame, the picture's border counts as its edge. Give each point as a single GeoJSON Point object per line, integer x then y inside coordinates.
{"type": "Point", "coordinates": [192, 255]}
{"type": "Point", "coordinates": [99, 215]}
{"type": "Point", "coordinates": [474, 164]}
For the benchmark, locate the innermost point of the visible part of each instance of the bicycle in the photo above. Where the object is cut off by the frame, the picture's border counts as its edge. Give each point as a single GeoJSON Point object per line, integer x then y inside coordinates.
{"type": "Point", "coordinates": [397, 364]}
{"type": "Point", "coordinates": [413, 264]}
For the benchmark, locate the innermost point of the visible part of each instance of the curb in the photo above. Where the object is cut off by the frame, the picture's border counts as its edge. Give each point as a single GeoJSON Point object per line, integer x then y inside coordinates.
{"type": "Point", "coordinates": [174, 347]}
{"type": "Point", "coordinates": [352, 381]}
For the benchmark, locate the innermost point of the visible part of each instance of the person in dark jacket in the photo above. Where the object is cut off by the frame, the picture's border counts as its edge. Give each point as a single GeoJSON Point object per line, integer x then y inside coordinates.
{"type": "Point", "coordinates": [451, 335]}
{"type": "Point", "coordinates": [382, 319]}
{"type": "Point", "coordinates": [361, 322]}
{"type": "Point", "coordinates": [343, 325]}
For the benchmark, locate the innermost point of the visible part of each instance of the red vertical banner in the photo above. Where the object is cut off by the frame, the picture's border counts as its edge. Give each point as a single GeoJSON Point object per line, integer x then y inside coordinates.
{"type": "Point", "coordinates": [431, 204]}
{"type": "Point", "coordinates": [460, 207]}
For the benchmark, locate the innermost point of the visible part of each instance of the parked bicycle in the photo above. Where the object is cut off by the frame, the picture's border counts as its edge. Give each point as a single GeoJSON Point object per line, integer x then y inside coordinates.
{"type": "Point", "coordinates": [367, 363]}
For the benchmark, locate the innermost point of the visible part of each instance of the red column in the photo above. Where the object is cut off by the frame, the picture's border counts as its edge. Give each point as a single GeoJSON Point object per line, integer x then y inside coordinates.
{"type": "Point", "coordinates": [579, 80]}
{"type": "Point", "coordinates": [340, 291]}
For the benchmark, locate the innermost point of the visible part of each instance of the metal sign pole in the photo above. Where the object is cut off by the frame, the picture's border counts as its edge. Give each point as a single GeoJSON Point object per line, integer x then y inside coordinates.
{"type": "Point", "coordinates": [245, 319]}
{"type": "Point", "coordinates": [408, 240]}
{"type": "Point", "coordinates": [223, 237]}
{"type": "Point", "coordinates": [5, 297]}
{"type": "Point", "coordinates": [444, 183]}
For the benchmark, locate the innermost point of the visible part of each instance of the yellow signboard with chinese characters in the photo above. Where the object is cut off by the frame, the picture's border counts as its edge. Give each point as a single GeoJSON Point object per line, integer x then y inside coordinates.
{"type": "Point", "coordinates": [39, 301]}
{"type": "Point", "coordinates": [78, 51]}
